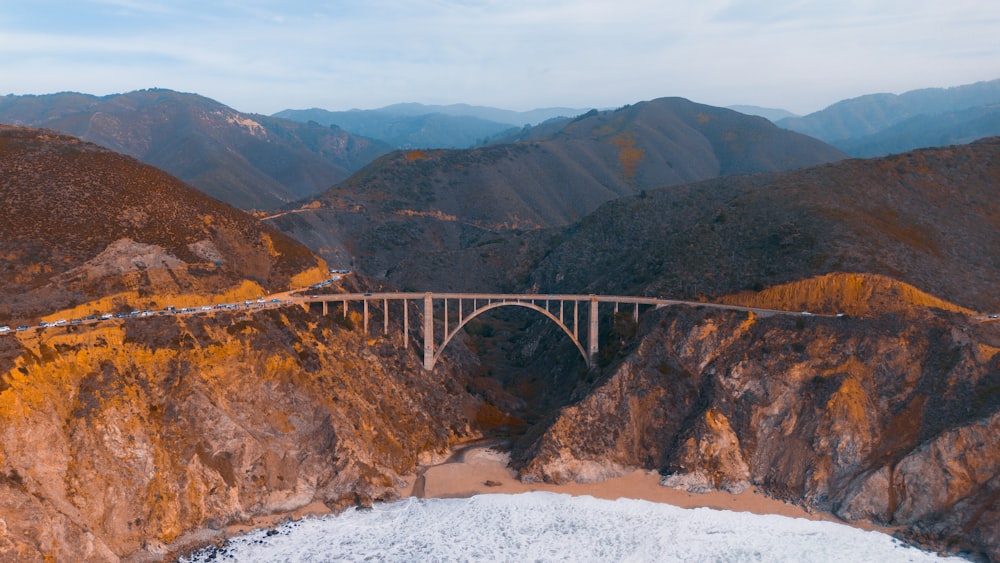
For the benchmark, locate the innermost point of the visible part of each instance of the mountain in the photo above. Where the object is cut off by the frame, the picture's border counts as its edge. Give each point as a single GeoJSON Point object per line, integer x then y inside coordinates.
{"type": "Point", "coordinates": [770, 114]}
{"type": "Point", "coordinates": [930, 218]}
{"type": "Point", "coordinates": [883, 416]}
{"type": "Point", "coordinates": [867, 125]}
{"type": "Point", "coordinates": [419, 126]}
{"type": "Point", "coordinates": [83, 225]}
{"type": "Point", "coordinates": [251, 161]}
{"type": "Point", "coordinates": [937, 130]}
{"type": "Point", "coordinates": [554, 175]}
{"type": "Point", "coordinates": [509, 117]}
{"type": "Point", "coordinates": [401, 131]}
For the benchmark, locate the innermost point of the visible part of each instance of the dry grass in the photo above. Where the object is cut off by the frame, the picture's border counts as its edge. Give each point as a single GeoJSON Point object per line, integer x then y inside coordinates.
{"type": "Point", "coordinates": [852, 294]}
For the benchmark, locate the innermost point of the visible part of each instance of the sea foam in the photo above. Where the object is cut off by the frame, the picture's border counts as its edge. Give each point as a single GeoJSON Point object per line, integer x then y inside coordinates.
{"type": "Point", "coordinates": [543, 526]}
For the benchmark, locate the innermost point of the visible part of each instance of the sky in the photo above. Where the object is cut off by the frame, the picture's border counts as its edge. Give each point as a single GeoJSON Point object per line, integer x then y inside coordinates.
{"type": "Point", "coordinates": [263, 56]}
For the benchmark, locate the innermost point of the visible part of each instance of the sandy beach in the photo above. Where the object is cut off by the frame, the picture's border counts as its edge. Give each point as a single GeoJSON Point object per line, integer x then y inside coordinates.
{"type": "Point", "coordinates": [473, 470]}
{"type": "Point", "coordinates": [482, 470]}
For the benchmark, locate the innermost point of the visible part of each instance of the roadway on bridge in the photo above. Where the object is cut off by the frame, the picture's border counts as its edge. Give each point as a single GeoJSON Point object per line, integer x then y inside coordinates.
{"type": "Point", "coordinates": [299, 297]}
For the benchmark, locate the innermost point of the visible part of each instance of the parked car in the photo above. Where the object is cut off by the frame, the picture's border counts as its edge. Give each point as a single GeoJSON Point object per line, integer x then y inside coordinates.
{"type": "Point", "coordinates": [22, 328]}
{"type": "Point", "coordinates": [4, 329]}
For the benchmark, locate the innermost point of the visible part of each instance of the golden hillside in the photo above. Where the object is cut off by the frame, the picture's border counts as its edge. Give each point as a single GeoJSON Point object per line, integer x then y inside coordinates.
{"type": "Point", "coordinates": [851, 294]}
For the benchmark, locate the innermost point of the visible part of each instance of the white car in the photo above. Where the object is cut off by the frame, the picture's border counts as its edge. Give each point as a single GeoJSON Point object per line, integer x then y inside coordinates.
{"type": "Point", "coordinates": [4, 329]}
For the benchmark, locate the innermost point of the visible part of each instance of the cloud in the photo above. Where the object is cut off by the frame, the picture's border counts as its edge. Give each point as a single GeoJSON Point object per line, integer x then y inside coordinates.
{"type": "Point", "coordinates": [267, 55]}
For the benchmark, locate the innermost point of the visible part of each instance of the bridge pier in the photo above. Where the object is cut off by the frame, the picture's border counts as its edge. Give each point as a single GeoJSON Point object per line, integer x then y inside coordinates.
{"type": "Point", "coordinates": [325, 311]}
{"type": "Point", "coordinates": [406, 324]}
{"type": "Point", "coordinates": [366, 316]}
{"type": "Point", "coordinates": [592, 334]}
{"type": "Point", "coordinates": [428, 332]}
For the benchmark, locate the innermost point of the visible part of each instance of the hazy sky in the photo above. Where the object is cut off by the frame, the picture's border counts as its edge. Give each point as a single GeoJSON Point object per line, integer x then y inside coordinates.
{"type": "Point", "coordinates": [267, 55]}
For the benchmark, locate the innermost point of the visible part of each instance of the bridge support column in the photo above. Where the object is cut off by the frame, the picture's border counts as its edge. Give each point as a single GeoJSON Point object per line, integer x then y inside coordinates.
{"type": "Point", "coordinates": [366, 317]}
{"type": "Point", "coordinates": [406, 325]}
{"type": "Point", "coordinates": [385, 317]}
{"type": "Point", "coordinates": [592, 334]}
{"type": "Point", "coordinates": [325, 311]}
{"type": "Point", "coordinates": [576, 320]}
{"type": "Point", "coordinates": [428, 332]}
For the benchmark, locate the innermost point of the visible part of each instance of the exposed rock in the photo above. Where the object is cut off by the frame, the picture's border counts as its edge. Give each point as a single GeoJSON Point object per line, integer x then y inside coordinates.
{"type": "Point", "coordinates": [132, 439]}
{"type": "Point", "coordinates": [890, 420]}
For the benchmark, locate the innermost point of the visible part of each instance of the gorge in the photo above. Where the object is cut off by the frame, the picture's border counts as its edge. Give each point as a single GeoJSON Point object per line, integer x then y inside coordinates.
{"type": "Point", "coordinates": [134, 438]}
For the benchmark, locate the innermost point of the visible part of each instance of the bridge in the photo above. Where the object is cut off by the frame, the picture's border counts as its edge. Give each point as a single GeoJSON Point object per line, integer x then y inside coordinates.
{"type": "Point", "coordinates": [456, 310]}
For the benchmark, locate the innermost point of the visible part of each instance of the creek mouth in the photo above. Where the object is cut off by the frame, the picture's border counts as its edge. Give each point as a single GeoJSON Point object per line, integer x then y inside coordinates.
{"type": "Point", "coordinates": [457, 455]}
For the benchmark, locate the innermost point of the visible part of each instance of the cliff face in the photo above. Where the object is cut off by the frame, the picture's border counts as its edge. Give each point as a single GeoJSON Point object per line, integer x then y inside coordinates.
{"type": "Point", "coordinates": [127, 440]}
{"type": "Point", "coordinates": [891, 419]}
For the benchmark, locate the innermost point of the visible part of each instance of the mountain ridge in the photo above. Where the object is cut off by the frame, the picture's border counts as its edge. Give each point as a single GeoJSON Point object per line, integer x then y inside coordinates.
{"type": "Point", "coordinates": [82, 223]}
{"type": "Point", "coordinates": [554, 175]}
{"type": "Point", "coordinates": [247, 160]}
{"type": "Point", "coordinates": [863, 126]}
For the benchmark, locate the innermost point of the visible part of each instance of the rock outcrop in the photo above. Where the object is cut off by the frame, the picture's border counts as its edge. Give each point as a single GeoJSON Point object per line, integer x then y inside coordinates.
{"type": "Point", "coordinates": [131, 439]}
{"type": "Point", "coordinates": [890, 420]}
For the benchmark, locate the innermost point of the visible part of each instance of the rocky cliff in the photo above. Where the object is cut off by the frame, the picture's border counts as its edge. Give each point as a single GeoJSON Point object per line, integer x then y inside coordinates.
{"type": "Point", "coordinates": [136, 438]}
{"type": "Point", "coordinates": [890, 419]}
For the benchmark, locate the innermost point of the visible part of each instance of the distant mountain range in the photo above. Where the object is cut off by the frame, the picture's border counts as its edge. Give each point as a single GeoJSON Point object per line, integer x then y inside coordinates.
{"type": "Point", "coordinates": [411, 125]}
{"type": "Point", "coordinates": [555, 174]}
{"type": "Point", "coordinates": [250, 161]}
{"type": "Point", "coordinates": [771, 114]}
{"type": "Point", "coordinates": [881, 124]}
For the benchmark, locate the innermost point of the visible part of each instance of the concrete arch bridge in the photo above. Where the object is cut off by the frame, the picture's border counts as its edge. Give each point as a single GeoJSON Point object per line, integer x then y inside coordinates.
{"type": "Point", "coordinates": [453, 311]}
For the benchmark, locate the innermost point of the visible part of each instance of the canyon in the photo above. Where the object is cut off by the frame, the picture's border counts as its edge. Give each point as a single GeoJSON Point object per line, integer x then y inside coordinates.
{"type": "Point", "coordinates": [135, 438]}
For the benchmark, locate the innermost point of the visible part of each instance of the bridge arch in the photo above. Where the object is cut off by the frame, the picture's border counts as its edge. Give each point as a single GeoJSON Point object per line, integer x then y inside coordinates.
{"type": "Point", "coordinates": [449, 335]}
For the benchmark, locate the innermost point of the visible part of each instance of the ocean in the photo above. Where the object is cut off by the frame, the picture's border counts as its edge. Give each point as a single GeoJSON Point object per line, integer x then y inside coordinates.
{"type": "Point", "coordinates": [542, 526]}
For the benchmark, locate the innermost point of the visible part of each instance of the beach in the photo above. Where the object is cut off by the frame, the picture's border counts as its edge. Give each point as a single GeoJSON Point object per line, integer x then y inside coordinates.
{"type": "Point", "coordinates": [483, 470]}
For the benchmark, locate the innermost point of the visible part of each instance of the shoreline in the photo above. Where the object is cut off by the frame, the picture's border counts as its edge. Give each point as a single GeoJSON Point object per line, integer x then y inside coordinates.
{"type": "Point", "coordinates": [474, 469]}
{"type": "Point", "coordinates": [481, 470]}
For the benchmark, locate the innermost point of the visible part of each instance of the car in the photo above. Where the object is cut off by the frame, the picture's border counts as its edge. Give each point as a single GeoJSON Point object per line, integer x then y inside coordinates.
{"type": "Point", "coordinates": [276, 301]}
{"type": "Point", "coordinates": [806, 314]}
{"type": "Point", "coordinates": [368, 295]}
{"type": "Point", "coordinates": [4, 329]}
{"type": "Point", "coordinates": [993, 316]}
{"type": "Point", "coordinates": [76, 321]}
{"type": "Point", "coordinates": [60, 322]}
{"type": "Point", "coordinates": [22, 328]}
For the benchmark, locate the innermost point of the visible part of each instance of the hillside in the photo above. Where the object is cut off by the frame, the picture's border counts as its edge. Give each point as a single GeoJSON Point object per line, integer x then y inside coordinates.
{"type": "Point", "coordinates": [250, 161]}
{"type": "Point", "coordinates": [420, 131]}
{"type": "Point", "coordinates": [554, 175]}
{"type": "Point", "coordinates": [420, 126]}
{"type": "Point", "coordinates": [859, 295]}
{"type": "Point", "coordinates": [881, 124]}
{"type": "Point", "coordinates": [81, 223]}
{"type": "Point", "coordinates": [929, 218]}
{"type": "Point", "coordinates": [951, 128]}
